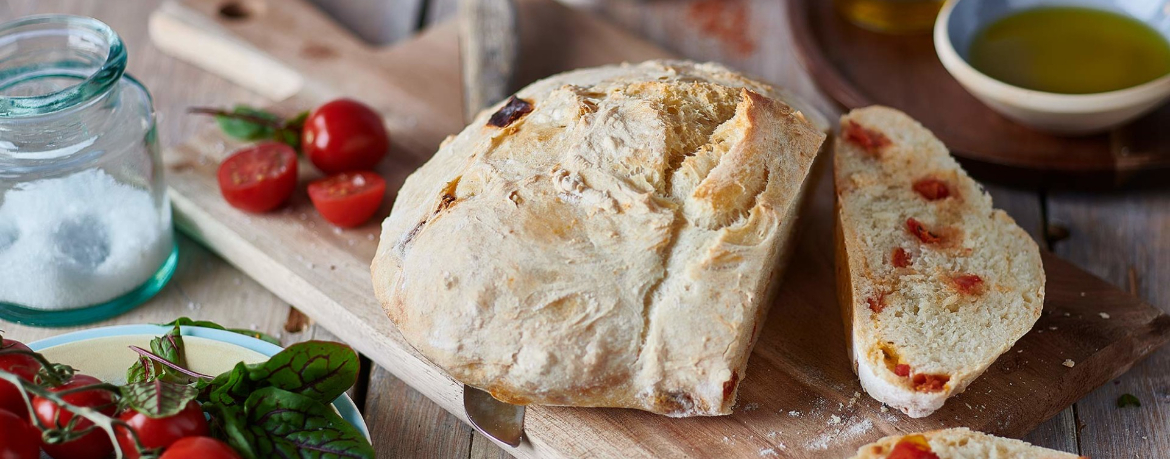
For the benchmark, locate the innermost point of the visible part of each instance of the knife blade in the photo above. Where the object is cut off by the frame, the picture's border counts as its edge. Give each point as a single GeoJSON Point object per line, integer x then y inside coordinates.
{"type": "Point", "coordinates": [489, 48]}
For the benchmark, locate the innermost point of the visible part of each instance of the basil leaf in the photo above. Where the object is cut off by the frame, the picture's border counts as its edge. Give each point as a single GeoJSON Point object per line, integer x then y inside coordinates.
{"type": "Point", "coordinates": [320, 370]}
{"type": "Point", "coordinates": [169, 347]}
{"type": "Point", "coordinates": [284, 424]}
{"type": "Point", "coordinates": [1128, 400]}
{"type": "Point", "coordinates": [248, 129]}
{"type": "Point", "coordinates": [158, 399]}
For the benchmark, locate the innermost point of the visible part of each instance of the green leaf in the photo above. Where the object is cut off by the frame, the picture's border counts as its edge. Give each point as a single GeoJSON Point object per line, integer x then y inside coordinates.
{"type": "Point", "coordinates": [169, 347]}
{"type": "Point", "coordinates": [1128, 400]}
{"type": "Point", "coordinates": [231, 388]}
{"type": "Point", "coordinates": [247, 129]}
{"type": "Point", "coordinates": [230, 424]}
{"type": "Point", "coordinates": [284, 424]}
{"type": "Point", "coordinates": [320, 370]}
{"type": "Point", "coordinates": [188, 322]}
{"type": "Point", "coordinates": [158, 399]}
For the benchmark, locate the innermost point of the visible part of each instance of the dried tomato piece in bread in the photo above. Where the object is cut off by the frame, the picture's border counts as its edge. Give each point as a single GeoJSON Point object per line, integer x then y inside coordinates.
{"type": "Point", "coordinates": [957, 443]}
{"type": "Point", "coordinates": [933, 281]}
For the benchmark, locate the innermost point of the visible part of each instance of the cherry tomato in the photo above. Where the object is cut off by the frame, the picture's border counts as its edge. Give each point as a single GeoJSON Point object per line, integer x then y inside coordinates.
{"type": "Point", "coordinates": [200, 448]}
{"type": "Point", "coordinates": [348, 199]}
{"type": "Point", "coordinates": [161, 433]}
{"type": "Point", "coordinates": [344, 135]}
{"type": "Point", "coordinates": [259, 178]}
{"type": "Point", "coordinates": [21, 365]}
{"type": "Point", "coordinates": [93, 445]}
{"type": "Point", "coordinates": [18, 438]}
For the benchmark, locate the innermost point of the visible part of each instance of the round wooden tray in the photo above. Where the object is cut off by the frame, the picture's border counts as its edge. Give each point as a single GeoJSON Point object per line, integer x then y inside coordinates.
{"type": "Point", "coordinates": [858, 67]}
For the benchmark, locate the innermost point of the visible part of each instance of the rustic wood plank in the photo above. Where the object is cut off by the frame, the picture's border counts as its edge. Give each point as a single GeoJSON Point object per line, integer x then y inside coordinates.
{"type": "Point", "coordinates": [1125, 239]}
{"type": "Point", "coordinates": [405, 423]}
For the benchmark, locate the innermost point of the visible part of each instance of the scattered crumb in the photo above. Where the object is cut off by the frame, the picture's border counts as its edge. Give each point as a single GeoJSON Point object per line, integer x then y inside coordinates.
{"type": "Point", "coordinates": [1104, 315]}
{"type": "Point", "coordinates": [1069, 363]}
{"type": "Point", "coordinates": [253, 327]}
{"type": "Point", "coordinates": [885, 408]}
{"type": "Point", "coordinates": [336, 230]}
{"type": "Point", "coordinates": [1067, 314]}
{"type": "Point", "coordinates": [751, 406]}
{"type": "Point", "coordinates": [1052, 328]}
{"type": "Point", "coordinates": [794, 413]}
{"type": "Point", "coordinates": [853, 400]}
{"type": "Point", "coordinates": [773, 434]}
{"type": "Point", "coordinates": [768, 452]}
{"type": "Point", "coordinates": [1082, 294]}
{"type": "Point", "coordinates": [834, 420]}
{"type": "Point", "coordinates": [848, 432]}
{"type": "Point", "coordinates": [1021, 351]}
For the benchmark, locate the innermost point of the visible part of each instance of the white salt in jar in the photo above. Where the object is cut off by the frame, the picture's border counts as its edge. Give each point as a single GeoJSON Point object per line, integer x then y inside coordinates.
{"type": "Point", "coordinates": [85, 223]}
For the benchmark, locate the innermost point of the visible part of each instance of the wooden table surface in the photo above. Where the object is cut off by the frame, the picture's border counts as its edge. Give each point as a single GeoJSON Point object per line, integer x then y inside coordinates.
{"type": "Point", "coordinates": [1122, 237]}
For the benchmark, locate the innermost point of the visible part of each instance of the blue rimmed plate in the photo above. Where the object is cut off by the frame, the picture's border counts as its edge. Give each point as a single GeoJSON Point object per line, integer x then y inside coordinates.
{"type": "Point", "coordinates": [103, 353]}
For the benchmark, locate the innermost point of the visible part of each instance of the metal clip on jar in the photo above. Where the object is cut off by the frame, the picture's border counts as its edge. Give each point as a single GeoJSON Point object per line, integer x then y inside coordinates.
{"type": "Point", "coordinates": [85, 222]}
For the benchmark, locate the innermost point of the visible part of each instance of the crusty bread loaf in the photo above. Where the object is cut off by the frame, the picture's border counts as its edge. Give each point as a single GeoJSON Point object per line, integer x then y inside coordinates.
{"type": "Point", "coordinates": [607, 238]}
{"type": "Point", "coordinates": [957, 443]}
{"type": "Point", "coordinates": [934, 284]}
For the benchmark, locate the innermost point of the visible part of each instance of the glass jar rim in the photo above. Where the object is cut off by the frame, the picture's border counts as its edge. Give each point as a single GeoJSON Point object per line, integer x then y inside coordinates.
{"type": "Point", "coordinates": [93, 85]}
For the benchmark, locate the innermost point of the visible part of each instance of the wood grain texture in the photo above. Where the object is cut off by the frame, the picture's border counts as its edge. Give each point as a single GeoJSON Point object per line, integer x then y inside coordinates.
{"type": "Point", "coordinates": [859, 68]}
{"type": "Point", "coordinates": [1125, 239]}
{"type": "Point", "coordinates": [799, 398]}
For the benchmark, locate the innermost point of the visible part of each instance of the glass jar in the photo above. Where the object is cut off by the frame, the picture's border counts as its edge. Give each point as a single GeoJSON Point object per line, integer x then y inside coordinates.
{"type": "Point", "coordinates": [891, 16]}
{"type": "Point", "coordinates": [85, 222]}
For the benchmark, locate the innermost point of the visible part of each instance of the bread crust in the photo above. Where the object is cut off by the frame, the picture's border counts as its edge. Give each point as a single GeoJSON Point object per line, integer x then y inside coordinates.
{"type": "Point", "coordinates": [910, 314]}
{"type": "Point", "coordinates": [614, 247]}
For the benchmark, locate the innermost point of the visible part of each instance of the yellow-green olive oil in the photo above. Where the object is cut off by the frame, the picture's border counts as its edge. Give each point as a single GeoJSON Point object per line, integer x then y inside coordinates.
{"type": "Point", "coordinates": [1070, 50]}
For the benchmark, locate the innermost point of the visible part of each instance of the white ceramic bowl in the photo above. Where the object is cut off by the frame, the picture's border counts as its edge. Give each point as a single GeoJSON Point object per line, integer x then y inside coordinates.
{"type": "Point", "coordinates": [959, 22]}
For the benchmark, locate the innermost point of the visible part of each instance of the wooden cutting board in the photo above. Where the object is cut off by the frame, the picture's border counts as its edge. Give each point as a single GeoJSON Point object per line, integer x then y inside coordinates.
{"type": "Point", "coordinates": [799, 398]}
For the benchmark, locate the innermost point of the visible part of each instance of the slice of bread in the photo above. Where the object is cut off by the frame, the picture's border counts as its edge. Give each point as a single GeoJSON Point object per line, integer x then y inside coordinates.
{"type": "Point", "coordinates": [958, 443]}
{"type": "Point", "coordinates": [934, 284]}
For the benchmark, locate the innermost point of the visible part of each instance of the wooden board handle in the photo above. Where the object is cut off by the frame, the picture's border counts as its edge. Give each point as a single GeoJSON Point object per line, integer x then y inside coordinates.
{"type": "Point", "coordinates": [185, 33]}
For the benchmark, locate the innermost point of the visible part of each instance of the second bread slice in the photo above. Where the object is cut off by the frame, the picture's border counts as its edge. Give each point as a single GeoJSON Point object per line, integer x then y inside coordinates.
{"type": "Point", "coordinates": [934, 284]}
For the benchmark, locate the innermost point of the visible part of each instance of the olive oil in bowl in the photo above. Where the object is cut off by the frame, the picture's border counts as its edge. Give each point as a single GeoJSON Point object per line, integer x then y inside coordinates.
{"type": "Point", "coordinates": [1070, 50]}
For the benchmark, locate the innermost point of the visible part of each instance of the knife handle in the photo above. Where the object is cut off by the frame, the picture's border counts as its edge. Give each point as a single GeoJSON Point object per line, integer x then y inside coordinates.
{"type": "Point", "coordinates": [489, 48]}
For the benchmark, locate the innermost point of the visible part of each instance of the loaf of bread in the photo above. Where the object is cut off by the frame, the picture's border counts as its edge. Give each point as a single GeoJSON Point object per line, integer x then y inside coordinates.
{"type": "Point", "coordinates": [934, 284]}
{"type": "Point", "coordinates": [958, 443]}
{"type": "Point", "coordinates": [606, 238]}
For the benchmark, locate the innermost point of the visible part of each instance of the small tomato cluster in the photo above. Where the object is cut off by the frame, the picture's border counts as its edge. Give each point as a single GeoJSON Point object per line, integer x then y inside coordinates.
{"type": "Point", "coordinates": [344, 138]}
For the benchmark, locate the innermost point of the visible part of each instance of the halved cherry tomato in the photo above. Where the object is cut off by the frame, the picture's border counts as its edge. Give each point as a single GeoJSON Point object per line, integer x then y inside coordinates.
{"type": "Point", "coordinates": [161, 433]}
{"type": "Point", "coordinates": [259, 178]}
{"type": "Point", "coordinates": [21, 365]}
{"type": "Point", "coordinates": [344, 135]}
{"type": "Point", "coordinates": [348, 199]}
{"type": "Point", "coordinates": [18, 438]}
{"type": "Point", "coordinates": [200, 448]}
{"type": "Point", "coordinates": [93, 445]}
